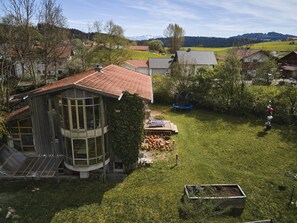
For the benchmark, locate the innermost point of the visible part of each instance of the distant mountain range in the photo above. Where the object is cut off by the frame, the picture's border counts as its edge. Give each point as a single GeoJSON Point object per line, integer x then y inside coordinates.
{"type": "Point", "coordinates": [196, 41]}
{"type": "Point", "coordinates": [144, 37]}
{"type": "Point", "coordinates": [200, 41]}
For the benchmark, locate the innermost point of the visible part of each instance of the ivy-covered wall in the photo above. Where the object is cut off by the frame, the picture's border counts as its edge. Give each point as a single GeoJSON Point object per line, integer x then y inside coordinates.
{"type": "Point", "coordinates": [125, 126]}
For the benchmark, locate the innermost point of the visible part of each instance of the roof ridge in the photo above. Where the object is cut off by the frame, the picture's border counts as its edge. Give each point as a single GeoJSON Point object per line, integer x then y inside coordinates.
{"type": "Point", "coordinates": [76, 82]}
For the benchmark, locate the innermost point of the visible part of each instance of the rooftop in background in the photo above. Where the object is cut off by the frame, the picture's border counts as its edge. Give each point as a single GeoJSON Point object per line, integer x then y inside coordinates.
{"type": "Point", "coordinates": [137, 63]}
{"type": "Point", "coordinates": [243, 53]}
{"type": "Point", "coordinates": [160, 63]}
{"type": "Point", "coordinates": [111, 81]}
{"type": "Point", "coordinates": [196, 57]}
{"type": "Point", "coordinates": [139, 48]}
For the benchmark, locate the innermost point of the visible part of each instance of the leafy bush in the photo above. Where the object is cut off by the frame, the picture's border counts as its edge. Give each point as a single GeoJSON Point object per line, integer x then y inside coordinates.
{"type": "Point", "coordinates": [161, 88]}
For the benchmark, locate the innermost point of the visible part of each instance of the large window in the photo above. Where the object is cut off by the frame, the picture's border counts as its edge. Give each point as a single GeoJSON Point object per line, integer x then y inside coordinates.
{"type": "Point", "coordinates": [82, 152]}
{"type": "Point", "coordinates": [82, 128]}
{"type": "Point", "coordinates": [22, 135]}
{"type": "Point", "coordinates": [81, 114]}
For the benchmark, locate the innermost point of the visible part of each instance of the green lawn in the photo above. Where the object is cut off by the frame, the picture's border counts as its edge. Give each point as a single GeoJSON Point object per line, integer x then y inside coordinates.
{"type": "Point", "coordinates": [144, 55]}
{"type": "Point", "coordinates": [212, 148]}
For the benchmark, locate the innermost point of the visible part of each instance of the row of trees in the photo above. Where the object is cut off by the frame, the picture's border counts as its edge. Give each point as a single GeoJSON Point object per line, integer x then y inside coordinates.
{"type": "Point", "coordinates": [23, 44]}
{"type": "Point", "coordinates": [35, 35]}
{"type": "Point", "coordinates": [224, 89]}
{"type": "Point", "coordinates": [26, 43]}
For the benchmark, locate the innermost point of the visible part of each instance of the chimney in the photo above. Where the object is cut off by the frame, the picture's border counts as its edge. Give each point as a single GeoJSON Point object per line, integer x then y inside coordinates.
{"type": "Point", "coordinates": [98, 68]}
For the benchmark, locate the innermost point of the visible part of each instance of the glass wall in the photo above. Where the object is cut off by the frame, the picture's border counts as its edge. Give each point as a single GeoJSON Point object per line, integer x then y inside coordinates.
{"type": "Point", "coordinates": [22, 135]}
{"type": "Point", "coordinates": [81, 114]}
{"type": "Point", "coordinates": [82, 128]}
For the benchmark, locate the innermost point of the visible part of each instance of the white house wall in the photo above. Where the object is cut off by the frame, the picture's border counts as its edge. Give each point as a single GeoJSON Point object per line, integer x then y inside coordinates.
{"type": "Point", "coordinates": [39, 70]}
{"type": "Point", "coordinates": [158, 71]}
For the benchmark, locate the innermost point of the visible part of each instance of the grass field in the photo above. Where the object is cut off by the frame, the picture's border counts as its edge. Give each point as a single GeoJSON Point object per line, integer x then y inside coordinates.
{"type": "Point", "coordinates": [276, 46]}
{"type": "Point", "coordinates": [143, 55]}
{"type": "Point", "coordinates": [212, 148]}
{"type": "Point", "coordinates": [282, 48]}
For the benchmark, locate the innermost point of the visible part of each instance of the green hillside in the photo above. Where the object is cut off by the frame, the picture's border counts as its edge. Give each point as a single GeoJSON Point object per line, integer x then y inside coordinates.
{"type": "Point", "coordinates": [276, 46]}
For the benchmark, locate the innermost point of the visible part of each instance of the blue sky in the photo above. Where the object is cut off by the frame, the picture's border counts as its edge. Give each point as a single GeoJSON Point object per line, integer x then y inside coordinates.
{"type": "Point", "coordinates": [219, 18]}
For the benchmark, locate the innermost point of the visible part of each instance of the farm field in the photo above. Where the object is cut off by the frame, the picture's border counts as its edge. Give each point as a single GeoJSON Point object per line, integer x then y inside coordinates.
{"type": "Point", "coordinates": [212, 148]}
{"type": "Point", "coordinates": [143, 55]}
{"type": "Point", "coordinates": [282, 49]}
{"type": "Point", "coordinates": [276, 46]}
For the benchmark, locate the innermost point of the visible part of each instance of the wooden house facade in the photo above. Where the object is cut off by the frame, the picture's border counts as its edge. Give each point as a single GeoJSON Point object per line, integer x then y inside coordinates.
{"type": "Point", "coordinates": [69, 117]}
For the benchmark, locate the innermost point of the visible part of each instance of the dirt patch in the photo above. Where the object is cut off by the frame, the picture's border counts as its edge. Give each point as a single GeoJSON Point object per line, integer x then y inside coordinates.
{"type": "Point", "coordinates": [155, 114]}
{"type": "Point", "coordinates": [213, 191]}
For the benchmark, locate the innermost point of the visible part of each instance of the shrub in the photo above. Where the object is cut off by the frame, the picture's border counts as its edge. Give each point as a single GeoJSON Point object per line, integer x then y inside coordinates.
{"type": "Point", "coordinates": [161, 88]}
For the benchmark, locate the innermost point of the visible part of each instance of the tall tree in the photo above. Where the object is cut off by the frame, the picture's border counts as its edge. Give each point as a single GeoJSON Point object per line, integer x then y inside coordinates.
{"type": "Point", "coordinates": [230, 86]}
{"type": "Point", "coordinates": [54, 41]}
{"type": "Point", "coordinates": [81, 50]}
{"type": "Point", "coordinates": [20, 33]}
{"type": "Point", "coordinates": [176, 34]}
{"type": "Point", "coordinates": [110, 45]}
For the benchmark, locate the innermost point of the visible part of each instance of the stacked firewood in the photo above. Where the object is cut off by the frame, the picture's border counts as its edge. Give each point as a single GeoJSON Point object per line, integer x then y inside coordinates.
{"type": "Point", "coordinates": [156, 142]}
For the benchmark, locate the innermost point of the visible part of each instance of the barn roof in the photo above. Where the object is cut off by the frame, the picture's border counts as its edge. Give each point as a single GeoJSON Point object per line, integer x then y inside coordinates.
{"type": "Point", "coordinates": [137, 63]}
{"type": "Point", "coordinates": [162, 63]}
{"type": "Point", "coordinates": [196, 57]}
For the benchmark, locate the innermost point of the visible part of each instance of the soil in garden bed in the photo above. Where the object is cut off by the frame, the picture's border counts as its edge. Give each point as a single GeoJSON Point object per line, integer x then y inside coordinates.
{"type": "Point", "coordinates": [213, 191]}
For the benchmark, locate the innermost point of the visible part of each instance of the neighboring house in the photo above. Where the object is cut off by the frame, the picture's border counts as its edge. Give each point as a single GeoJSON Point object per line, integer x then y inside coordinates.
{"type": "Point", "coordinates": [289, 65]}
{"type": "Point", "coordinates": [140, 66]}
{"type": "Point", "coordinates": [159, 66]}
{"type": "Point", "coordinates": [69, 118]}
{"type": "Point", "coordinates": [139, 48]}
{"type": "Point", "coordinates": [57, 68]}
{"type": "Point", "coordinates": [195, 59]}
{"type": "Point", "coordinates": [251, 59]}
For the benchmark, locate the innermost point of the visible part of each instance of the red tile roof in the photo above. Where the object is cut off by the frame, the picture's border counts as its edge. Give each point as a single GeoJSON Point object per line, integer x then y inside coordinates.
{"type": "Point", "coordinates": [17, 112]}
{"type": "Point", "coordinates": [243, 53]}
{"type": "Point", "coordinates": [113, 80]}
{"type": "Point", "coordinates": [137, 63]}
{"type": "Point", "coordinates": [140, 48]}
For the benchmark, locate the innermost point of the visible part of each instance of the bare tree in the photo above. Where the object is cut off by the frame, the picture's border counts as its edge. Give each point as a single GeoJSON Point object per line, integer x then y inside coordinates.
{"type": "Point", "coordinates": [111, 45]}
{"type": "Point", "coordinates": [97, 26]}
{"type": "Point", "coordinates": [81, 50]}
{"type": "Point", "coordinates": [176, 34]}
{"type": "Point", "coordinates": [54, 40]}
{"type": "Point", "coordinates": [20, 32]}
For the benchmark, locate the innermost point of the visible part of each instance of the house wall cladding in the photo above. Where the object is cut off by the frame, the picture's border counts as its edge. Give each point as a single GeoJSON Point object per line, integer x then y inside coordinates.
{"type": "Point", "coordinates": [41, 126]}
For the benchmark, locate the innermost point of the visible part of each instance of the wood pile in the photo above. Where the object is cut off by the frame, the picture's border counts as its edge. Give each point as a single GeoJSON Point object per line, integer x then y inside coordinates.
{"type": "Point", "coordinates": [156, 142]}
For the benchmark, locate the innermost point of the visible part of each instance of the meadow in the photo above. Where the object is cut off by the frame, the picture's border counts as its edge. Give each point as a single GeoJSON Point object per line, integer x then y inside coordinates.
{"type": "Point", "coordinates": [212, 148]}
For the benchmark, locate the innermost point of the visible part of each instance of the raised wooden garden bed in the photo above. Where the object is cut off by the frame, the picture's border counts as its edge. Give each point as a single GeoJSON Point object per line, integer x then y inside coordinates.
{"type": "Point", "coordinates": [228, 197]}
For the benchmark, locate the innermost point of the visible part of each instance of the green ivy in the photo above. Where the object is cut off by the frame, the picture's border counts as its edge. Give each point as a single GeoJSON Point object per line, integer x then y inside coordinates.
{"type": "Point", "coordinates": [125, 127]}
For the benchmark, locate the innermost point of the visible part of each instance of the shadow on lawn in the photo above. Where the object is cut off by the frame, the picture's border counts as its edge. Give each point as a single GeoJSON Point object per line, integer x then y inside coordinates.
{"type": "Point", "coordinates": [34, 200]}
{"type": "Point", "coordinates": [262, 133]}
{"type": "Point", "coordinates": [288, 133]}
{"type": "Point", "coordinates": [216, 117]}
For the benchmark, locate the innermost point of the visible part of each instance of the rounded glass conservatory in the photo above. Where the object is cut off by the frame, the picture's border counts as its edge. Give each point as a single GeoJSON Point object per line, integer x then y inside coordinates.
{"type": "Point", "coordinates": [84, 130]}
